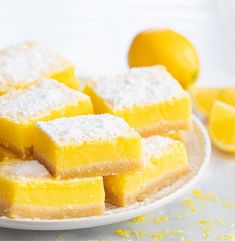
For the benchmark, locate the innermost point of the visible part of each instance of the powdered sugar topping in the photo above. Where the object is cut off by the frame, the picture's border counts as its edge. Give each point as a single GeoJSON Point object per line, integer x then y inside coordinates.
{"type": "Point", "coordinates": [24, 169]}
{"type": "Point", "coordinates": [140, 86]}
{"type": "Point", "coordinates": [155, 146]}
{"type": "Point", "coordinates": [38, 100]}
{"type": "Point", "coordinates": [26, 62]}
{"type": "Point", "coordinates": [76, 130]}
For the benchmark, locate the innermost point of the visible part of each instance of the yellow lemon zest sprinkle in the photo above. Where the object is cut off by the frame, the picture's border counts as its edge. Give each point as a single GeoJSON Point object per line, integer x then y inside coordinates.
{"type": "Point", "coordinates": [220, 222]}
{"type": "Point", "coordinates": [180, 216]}
{"type": "Point", "coordinates": [177, 233]}
{"type": "Point", "coordinates": [228, 204]}
{"type": "Point", "coordinates": [138, 234]}
{"type": "Point", "coordinates": [227, 237]}
{"type": "Point", "coordinates": [197, 193]}
{"type": "Point", "coordinates": [208, 196]}
{"type": "Point", "coordinates": [188, 202]}
{"type": "Point", "coordinates": [193, 210]}
{"type": "Point", "coordinates": [123, 233]}
{"type": "Point", "coordinates": [158, 236]}
{"type": "Point", "coordinates": [205, 234]}
{"type": "Point", "coordinates": [160, 219]}
{"type": "Point", "coordinates": [205, 222]}
{"type": "Point", "coordinates": [205, 197]}
{"type": "Point", "coordinates": [162, 234]}
{"type": "Point", "coordinates": [139, 219]}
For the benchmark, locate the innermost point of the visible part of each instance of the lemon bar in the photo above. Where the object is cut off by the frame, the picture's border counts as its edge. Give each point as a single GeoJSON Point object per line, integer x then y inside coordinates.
{"type": "Point", "coordinates": [148, 98]}
{"type": "Point", "coordinates": [88, 145]}
{"type": "Point", "coordinates": [165, 160]}
{"type": "Point", "coordinates": [48, 99]}
{"type": "Point", "coordinates": [24, 63]}
{"type": "Point", "coordinates": [27, 190]}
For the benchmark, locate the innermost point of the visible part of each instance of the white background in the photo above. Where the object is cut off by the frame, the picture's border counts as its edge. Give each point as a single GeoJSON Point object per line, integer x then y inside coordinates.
{"type": "Point", "coordinates": [96, 35]}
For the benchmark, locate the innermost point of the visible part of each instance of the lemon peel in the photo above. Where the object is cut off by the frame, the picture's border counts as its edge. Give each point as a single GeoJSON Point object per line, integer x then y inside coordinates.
{"type": "Point", "coordinates": [139, 219]}
{"type": "Point", "coordinates": [123, 232]}
{"type": "Point", "coordinates": [227, 237]}
{"type": "Point", "coordinates": [138, 234]}
{"type": "Point", "coordinates": [160, 219]}
{"type": "Point", "coordinates": [222, 126]}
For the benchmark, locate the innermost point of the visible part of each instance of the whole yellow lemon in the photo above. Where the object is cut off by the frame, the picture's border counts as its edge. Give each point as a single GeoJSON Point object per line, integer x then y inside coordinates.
{"type": "Point", "coordinates": [166, 47]}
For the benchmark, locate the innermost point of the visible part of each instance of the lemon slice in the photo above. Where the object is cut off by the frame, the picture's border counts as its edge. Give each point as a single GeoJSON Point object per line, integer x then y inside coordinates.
{"type": "Point", "coordinates": [222, 126]}
{"type": "Point", "coordinates": [204, 97]}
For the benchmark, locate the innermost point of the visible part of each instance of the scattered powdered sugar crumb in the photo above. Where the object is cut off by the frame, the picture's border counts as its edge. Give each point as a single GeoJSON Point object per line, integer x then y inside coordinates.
{"type": "Point", "coordinates": [38, 100]}
{"type": "Point", "coordinates": [26, 62]}
{"type": "Point", "coordinates": [86, 128]}
{"type": "Point", "coordinates": [155, 146]}
{"type": "Point", "coordinates": [24, 169]}
{"type": "Point", "coordinates": [138, 87]}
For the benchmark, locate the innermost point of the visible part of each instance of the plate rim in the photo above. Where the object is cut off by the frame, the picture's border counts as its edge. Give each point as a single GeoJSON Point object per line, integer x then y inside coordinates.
{"type": "Point", "coordinates": [95, 221]}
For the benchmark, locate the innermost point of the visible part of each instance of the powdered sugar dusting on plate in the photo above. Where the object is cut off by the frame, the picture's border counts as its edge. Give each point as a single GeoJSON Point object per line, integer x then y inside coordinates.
{"type": "Point", "coordinates": [79, 129]}
{"type": "Point", "coordinates": [38, 100]}
{"type": "Point", "coordinates": [138, 87]}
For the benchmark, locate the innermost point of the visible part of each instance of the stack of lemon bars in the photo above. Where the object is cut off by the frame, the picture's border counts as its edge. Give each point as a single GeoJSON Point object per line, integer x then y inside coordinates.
{"type": "Point", "coordinates": [65, 151]}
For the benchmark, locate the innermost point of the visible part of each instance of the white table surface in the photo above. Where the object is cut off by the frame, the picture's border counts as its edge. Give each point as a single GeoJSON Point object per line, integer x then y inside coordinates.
{"type": "Point", "coordinates": [96, 35]}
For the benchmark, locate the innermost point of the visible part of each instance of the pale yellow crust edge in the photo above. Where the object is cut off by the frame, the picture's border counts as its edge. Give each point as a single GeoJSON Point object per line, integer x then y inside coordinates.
{"type": "Point", "coordinates": [97, 169]}
{"type": "Point", "coordinates": [41, 212]}
{"type": "Point", "coordinates": [164, 127]}
{"type": "Point", "coordinates": [149, 189]}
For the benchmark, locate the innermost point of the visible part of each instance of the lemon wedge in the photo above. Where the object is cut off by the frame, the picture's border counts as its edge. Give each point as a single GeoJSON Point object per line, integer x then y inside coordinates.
{"type": "Point", "coordinates": [222, 126]}
{"type": "Point", "coordinates": [204, 97]}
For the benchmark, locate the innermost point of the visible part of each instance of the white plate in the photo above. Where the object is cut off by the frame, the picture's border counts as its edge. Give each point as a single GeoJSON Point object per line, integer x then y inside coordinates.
{"type": "Point", "coordinates": [199, 151]}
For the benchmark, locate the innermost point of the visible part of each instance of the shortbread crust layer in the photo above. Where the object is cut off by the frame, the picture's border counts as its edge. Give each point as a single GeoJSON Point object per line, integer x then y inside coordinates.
{"type": "Point", "coordinates": [96, 169]}
{"type": "Point", "coordinates": [148, 190]}
{"type": "Point", "coordinates": [42, 212]}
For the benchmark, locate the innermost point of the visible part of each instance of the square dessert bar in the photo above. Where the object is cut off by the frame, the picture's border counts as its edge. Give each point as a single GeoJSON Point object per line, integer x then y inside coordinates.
{"type": "Point", "coordinates": [147, 98]}
{"type": "Point", "coordinates": [165, 160]}
{"type": "Point", "coordinates": [89, 145]}
{"type": "Point", "coordinates": [24, 63]}
{"type": "Point", "coordinates": [27, 190]}
{"type": "Point", "coordinates": [48, 99]}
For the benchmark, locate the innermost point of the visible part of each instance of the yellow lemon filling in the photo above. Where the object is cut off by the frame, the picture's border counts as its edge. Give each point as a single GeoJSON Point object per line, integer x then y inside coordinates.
{"type": "Point", "coordinates": [165, 160]}
{"type": "Point", "coordinates": [28, 190]}
{"type": "Point", "coordinates": [87, 146]}
{"type": "Point", "coordinates": [48, 99]}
